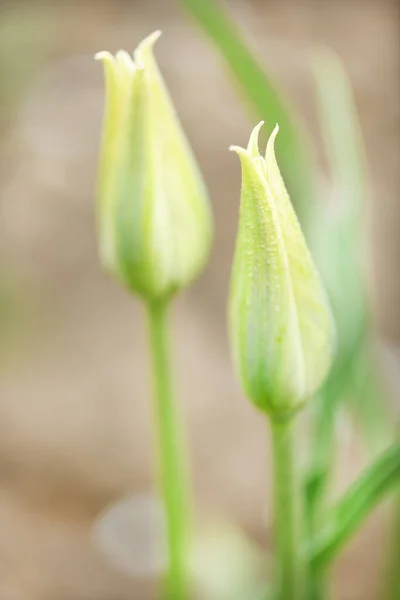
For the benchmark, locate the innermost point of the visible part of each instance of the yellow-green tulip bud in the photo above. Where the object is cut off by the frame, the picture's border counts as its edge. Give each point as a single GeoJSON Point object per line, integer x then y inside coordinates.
{"type": "Point", "coordinates": [154, 220]}
{"type": "Point", "coordinates": [281, 327]}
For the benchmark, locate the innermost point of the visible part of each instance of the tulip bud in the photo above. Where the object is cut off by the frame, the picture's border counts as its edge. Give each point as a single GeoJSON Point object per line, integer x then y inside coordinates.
{"type": "Point", "coordinates": [281, 328]}
{"type": "Point", "coordinates": [154, 220]}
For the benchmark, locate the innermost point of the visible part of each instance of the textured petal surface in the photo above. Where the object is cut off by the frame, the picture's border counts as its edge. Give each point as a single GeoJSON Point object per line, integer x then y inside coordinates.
{"type": "Point", "coordinates": [280, 322]}
{"type": "Point", "coordinates": [154, 216]}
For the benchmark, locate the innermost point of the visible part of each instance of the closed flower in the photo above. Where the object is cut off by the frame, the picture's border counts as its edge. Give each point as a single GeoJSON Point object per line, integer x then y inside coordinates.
{"type": "Point", "coordinates": [154, 221]}
{"type": "Point", "coordinates": [281, 327]}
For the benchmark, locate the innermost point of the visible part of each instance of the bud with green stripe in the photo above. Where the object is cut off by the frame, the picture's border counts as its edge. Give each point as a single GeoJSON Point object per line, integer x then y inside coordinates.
{"type": "Point", "coordinates": [281, 327]}
{"type": "Point", "coordinates": [154, 220]}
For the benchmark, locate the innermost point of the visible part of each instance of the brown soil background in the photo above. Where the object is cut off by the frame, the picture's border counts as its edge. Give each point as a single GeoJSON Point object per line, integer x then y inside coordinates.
{"type": "Point", "coordinates": [74, 431]}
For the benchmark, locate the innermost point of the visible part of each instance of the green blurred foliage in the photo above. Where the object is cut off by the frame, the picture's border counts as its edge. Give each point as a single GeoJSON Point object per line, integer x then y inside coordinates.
{"type": "Point", "coordinates": [336, 234]}
{"type": "Point", "coordinates": [335, 230]}
{"type": "Point", "coordinates": [25, 31]}
{"type": "Point", "coordinates": [266, 101]}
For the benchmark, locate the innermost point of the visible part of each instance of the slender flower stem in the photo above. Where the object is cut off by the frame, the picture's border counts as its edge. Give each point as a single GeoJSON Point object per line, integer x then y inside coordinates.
{"type": "Point", "coordinates": [171, 458]}
{"type": "Point", "coordinates": [287, 491]}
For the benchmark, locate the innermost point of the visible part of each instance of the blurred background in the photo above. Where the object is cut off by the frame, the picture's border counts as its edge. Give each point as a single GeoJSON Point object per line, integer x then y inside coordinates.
{"type": "Point", "coordinates": [75, 433]}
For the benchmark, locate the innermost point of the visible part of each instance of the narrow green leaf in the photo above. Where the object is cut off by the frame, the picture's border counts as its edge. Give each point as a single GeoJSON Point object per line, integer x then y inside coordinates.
{"type": "Point", "coordinates": [341, 132]}
{"type": "Point", "coordinates": [266, 100]}
{"type": "Point", "coordinates": [337, 243]}
{"type": "Point", "coordinates": [339, 233]}
{"type": "Point", "coordinates": [392, 579]}
{"type": "Point", "coordinates": [368, 401]}
{"type": "Point", "coordinates": [351, 510]}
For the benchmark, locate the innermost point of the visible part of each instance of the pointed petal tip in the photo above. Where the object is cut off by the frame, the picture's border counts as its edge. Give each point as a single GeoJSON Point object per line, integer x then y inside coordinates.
{"type": "Point", "coordinates": [150, 40]}
{"type": "Point", "coordinates": [238, 149]}
{"type": "Point", "coordinates": [103, 55]}
{"type": "Point", "coordinates": [122, 55]}
{"type": "Point", "coordinates": [124, 58]}
{"type": "Point", "coordinates": [270, 151]}
{"type": "Point", "coordinates": [145, 46]}
{"type": "Point", "coordinates": [252, 146]}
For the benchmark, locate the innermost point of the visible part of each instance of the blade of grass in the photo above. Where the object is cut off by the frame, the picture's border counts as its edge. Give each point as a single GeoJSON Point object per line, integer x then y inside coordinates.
{"type": "Point", "coordinates": [393, 575]}
{"type": "Point", "coordinates": [391, 571]}
{"type": "Point", "coordinates": [339, 252]}
{"type": "Point", "coordinates": [354, 379]}
{"type": "Point", "coordinates": [380, 478]}
{"type": "Point", "coordinates": [337, 248]}
{"type": "Point", "coordinates": [341, 131]}
{"type": "Point", "coordinates": [266, 100]}
{"type": "Point", "coordinates": [368, 403]}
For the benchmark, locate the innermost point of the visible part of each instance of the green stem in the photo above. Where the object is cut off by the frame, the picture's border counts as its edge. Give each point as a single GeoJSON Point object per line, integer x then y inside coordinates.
{"type": "Point", "coordinates": [287, 490]}
{"type": "Point", "coordinates": [171, 458]}
{"type": "Point", "coordinates": [393, 572]}
{"type": "Point", "coordinates": [316, 484]}
{"type": "Point", "coordinates": [316, 585]}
